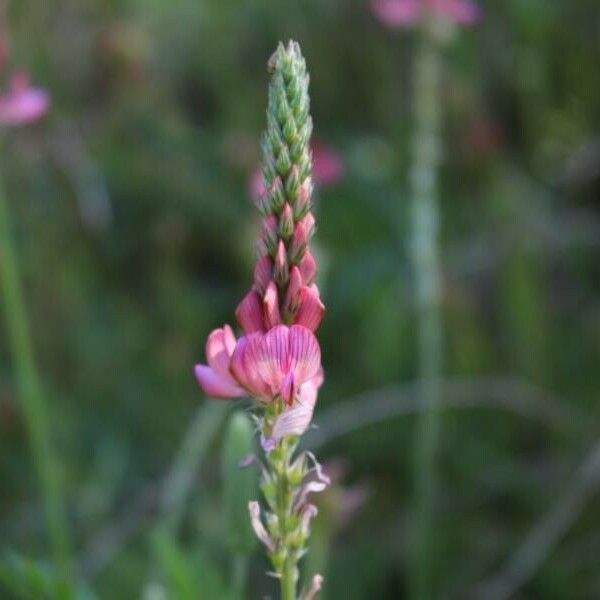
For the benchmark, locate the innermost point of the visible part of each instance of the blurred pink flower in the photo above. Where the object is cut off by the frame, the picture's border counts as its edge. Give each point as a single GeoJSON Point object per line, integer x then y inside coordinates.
{"type": "Point", "coordinates": [23, 103]}
{"type": "Point", "coordinates": [328, 164]}
{"type": "Point", "coordinates": [405, 13]}
{"type": "Point", "coordinates": [328, 169]}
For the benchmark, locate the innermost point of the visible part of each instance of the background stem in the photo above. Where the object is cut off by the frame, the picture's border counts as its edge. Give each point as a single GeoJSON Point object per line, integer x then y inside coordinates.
{"type": "Point", "coordinates": [426, 265]}
{"type": "Point", "coordinates": [34, 407]}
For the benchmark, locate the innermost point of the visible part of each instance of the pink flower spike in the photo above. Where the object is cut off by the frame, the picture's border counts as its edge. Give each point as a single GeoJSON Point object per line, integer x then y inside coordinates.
{"type": "Point", "coordinates": [311, 310]}
{"type": "Point", "coordinates": [308, 268]}
{"type": "Point", "coordinates": [249, 313]}
{"type": "Point", "coordinates": [397, 13]}
{"type": "Point", "coordinates": [263, 273]}
{"type": "Point", "coordinates": [215, 378]}
{"type": "Point", "coordinates": [271, 306]}
{"type": "Point", "coordinates": [284, 350]}
{"type": "Point", "coordinates": [328, 165]}
{"type": "Point", "coordinates": [23, 104]}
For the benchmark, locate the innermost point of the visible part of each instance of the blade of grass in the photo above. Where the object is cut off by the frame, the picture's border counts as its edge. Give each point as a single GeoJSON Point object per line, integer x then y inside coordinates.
{"type": "Point", "coordinates": [32, 399]}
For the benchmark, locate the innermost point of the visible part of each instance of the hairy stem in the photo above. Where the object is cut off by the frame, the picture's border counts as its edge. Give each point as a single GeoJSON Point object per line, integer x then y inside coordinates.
{"type": "Point", "coordinates": [426, 265]}
{"type": "Point", "coordinates": [34, 407]}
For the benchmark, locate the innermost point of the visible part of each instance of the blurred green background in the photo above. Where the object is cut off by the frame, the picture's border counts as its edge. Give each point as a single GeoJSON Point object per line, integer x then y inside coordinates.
{"type": "Point", "coordinates": [135, 230]}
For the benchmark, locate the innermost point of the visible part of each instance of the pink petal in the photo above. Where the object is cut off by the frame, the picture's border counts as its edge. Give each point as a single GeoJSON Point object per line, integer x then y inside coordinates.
{"type": "Point", "coordinates": [295, 421]}
{"type": "Point", "coordinates": [249, 313]}
{"type": "Point", "coordinates": [216, 386]}
{"type": "Point", "coordinates": [229, 339]}
{"type": "Point", "coordinates": [263, 273]}
{"type": "Point", "coordinates": [328, 165]}
{"type": "Point", "coordinates": [259, 528]}
{"type": "Point", "coordinates": [309, 512]}
{"type": "Point", "coordinates": [289, 389]}
{"type": "Point", "coordinates": [286, 350]}
{"type": "Point", "coordinates": [316, 585]}
{"type": "Point", "coordinates": [244, 369]}
{"type": "Point", "coordinates": [271, 306]}
{"type": "Point", "coordinates": [311, 310]}
{"type": "Point", "coordinates": [218, 346]}
{"type": "Point", "coordinates": [397, 13]}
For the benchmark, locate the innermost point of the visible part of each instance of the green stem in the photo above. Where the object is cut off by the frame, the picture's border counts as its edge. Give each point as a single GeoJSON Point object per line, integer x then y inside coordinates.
{"type": "Point", "coordinates": [239, 574]}
{"type": "Point", "coordinates": [425, 257]}
{"type": "Point", "coordinates": [288, 546]}
{"type": "Point", "coordinates": [34, 407]}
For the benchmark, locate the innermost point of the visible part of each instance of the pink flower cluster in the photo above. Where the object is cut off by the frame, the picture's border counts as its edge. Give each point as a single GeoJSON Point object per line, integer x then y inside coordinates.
{"type": "Point", "coordinates": [278, 355]}
{"type": "Point", "coordinates": [406, 13]}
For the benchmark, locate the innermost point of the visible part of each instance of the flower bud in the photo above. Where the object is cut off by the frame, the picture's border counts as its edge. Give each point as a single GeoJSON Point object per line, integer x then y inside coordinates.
{"type": "Point", "coordinates": [263, 272]}
{"type": "Point", "coordinates": [271, 306]}
{"type": "Point", "coordinates": [298, 244]}
{"type": "Point", "coordinates": [308, 268]}
{"type": "Point", "coordinates": [281, 268]}
{"type": "Point", "coordinates": [276, 195]}
{"type": "Point", "coordinates": [303, 201]}
{"type": "Point", "coordinates": [286, 222]}
{"type": "Point", "coordinates": [269, 233]}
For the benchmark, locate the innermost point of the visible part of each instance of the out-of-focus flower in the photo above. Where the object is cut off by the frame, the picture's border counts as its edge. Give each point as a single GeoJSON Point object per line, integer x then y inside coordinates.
{"type": "Point", "coordinates": [406, 13]}
{"type": "Point", "coordinates": [22, 103]}
{"type": "Point", "coordinates": [329, 167]}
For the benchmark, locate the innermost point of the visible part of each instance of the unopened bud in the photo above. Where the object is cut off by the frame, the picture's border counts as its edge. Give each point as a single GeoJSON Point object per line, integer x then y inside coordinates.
{"type": "Point", "coordinates": [298, 244]}
{"type": "Point", "coordinates": [281, 270]}
{"type": "Point", "coordinates": [286, 222]}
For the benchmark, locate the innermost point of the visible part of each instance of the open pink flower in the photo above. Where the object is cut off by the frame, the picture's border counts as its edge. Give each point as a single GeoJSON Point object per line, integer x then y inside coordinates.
{"type": "Point", "coordinates": [276, 363]}
{"type": "Point", "coordinates": [22, 103]}
{"type": "Point", "coordinates": [215, 378]}
{"type": "Point", "coordinates": [405, 13]}
{"type": "Point", "coordinates": [264, 366]}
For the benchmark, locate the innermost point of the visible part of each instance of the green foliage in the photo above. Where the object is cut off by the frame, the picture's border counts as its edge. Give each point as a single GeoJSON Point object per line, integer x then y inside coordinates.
{"type": "Point", "coordinates": [240, 485]}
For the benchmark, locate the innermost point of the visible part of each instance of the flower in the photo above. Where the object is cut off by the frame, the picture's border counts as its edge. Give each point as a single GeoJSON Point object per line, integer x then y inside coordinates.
{"type": "Point", "coordinates": [22, 103]}
{"type": "Point", "coordinates": [406, 13]}
{"type": "Point", "coordinates": [264, 366]}
{"type": "Point", "coordinates": [215, 378]}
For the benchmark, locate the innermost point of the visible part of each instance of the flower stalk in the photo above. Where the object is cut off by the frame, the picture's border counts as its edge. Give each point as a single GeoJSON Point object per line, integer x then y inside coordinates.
{"type": "Point", "coordinates": [277, 360]}
{"type": "Point", "coordinates": [35, 408]}
{"type": "Point", "coordinates": [425, 253]}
